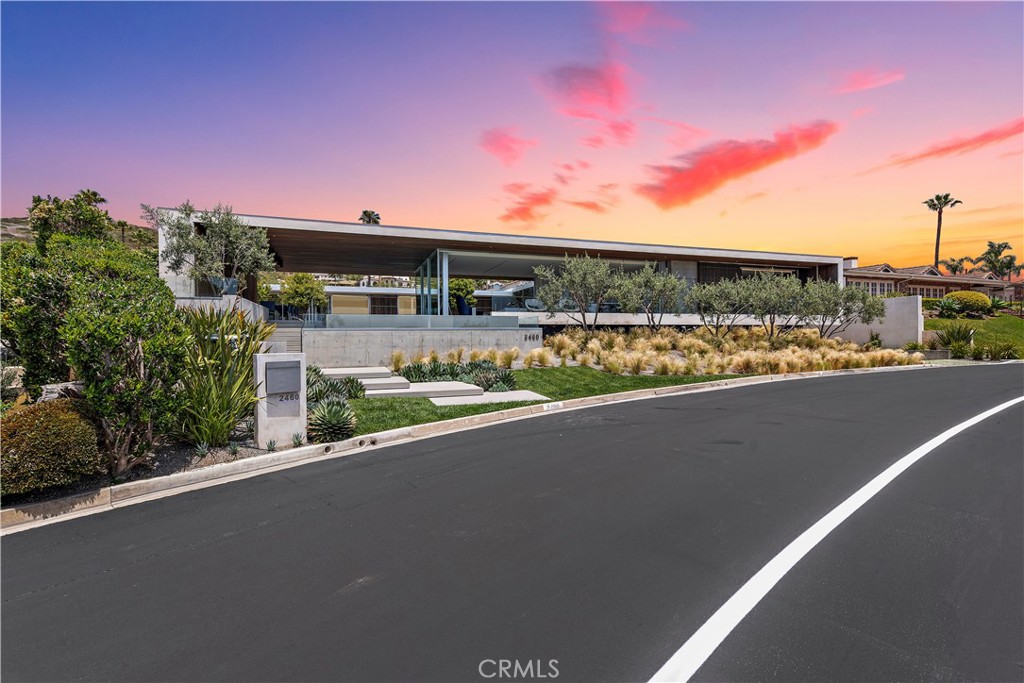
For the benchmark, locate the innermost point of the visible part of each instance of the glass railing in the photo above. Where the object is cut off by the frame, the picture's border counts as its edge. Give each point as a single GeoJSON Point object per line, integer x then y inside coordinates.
{"type": "Point", "coordinates": [440, 322]}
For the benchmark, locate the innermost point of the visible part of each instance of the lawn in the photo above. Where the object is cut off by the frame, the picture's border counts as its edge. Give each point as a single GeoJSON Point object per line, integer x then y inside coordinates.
{"type": "Point", "coordinates": [379, 414]}
{"type": "Point", "coordinates": [1003, 328]}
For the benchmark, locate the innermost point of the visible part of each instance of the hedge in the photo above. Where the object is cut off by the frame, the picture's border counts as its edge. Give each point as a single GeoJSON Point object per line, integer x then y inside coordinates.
{"type": "Point", "coordinates": [45, 445]}
{"type": "Point", "coordinates": [971, 302]}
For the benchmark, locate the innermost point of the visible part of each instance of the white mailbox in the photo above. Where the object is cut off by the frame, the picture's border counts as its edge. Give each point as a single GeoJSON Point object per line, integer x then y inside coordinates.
{"type": "Point", "coordinates": [281, 390]}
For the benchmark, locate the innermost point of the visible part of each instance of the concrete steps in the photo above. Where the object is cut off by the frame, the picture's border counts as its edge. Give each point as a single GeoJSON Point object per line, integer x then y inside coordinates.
{"type": "Point", "coordinates": [377, 372]}
{"type": "Point", "coordinates": [384, 383]}
{"type": "Point", "coordinates": [428, 390]}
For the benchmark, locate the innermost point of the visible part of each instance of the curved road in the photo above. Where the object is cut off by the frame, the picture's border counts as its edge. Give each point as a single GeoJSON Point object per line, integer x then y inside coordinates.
{"type": "Point", "coordinates": [601, 538]}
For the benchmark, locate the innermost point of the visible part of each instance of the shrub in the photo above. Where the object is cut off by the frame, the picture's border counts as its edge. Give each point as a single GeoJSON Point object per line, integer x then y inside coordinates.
{"type": "Point", "coordinates": [970, 302]}
{"type": "Point", "coordinates": [1002, 351]}
{"type": "Point", "coordinates": [330, 421]}
{"type": "Point", "coordinates": [913, 346]}
{"type": "Point", "coordinates": [45, 445]}
{"type": "Point", "coordinates": [217, 386]}
{"type": "Point", "coordinates": [978, 352]}
{"type": "Point", "coordinates": [961, 333]}
{"type": "Point", "coordinates": [959, 349]}
{"type": "Point", "coordinates": [36, 296]}
{"type": "Point", "coordinates": [128, 346]}
{"type": "Point", "coordinates": [929, 304]}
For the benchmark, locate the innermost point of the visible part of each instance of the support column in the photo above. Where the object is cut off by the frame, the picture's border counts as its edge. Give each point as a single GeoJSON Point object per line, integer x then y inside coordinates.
{"type": "Point", "coordinates": [443, 303]}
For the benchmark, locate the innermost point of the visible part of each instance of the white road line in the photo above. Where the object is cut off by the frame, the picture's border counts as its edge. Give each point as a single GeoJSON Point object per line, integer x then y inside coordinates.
{"type": "Point", "coordinates": [695, 651]}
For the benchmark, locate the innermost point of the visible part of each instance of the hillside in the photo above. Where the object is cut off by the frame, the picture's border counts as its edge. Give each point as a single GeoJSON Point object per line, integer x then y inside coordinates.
{"type": "Point", "coordinates": [136, 236]}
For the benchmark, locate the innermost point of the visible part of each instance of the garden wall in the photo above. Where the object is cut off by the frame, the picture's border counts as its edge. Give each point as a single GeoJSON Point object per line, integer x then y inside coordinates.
{"type": "Point", "coordinates": [904, 322]}
{"type": "Point", "coordinates": [332, 348]}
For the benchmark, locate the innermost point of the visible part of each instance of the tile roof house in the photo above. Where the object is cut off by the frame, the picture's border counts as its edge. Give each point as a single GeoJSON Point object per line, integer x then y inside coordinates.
{"type": "Point", "coordinates": [926, 281]}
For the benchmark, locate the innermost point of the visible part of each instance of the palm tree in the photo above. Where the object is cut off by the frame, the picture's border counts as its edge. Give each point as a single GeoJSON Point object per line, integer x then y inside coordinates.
{"type": "Point", "coordinates": [993, 261]}
{"type": "Point", "coordinates": [369, 217]}
{"type": "Point", "coordinates": [956, 265]}
{"type": "Point", "coordinates": [938, 203]}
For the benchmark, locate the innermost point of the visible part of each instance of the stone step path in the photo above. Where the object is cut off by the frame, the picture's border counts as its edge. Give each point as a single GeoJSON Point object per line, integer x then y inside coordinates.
{"type": "Point", "coordinates": [428, 390]}
{"type": "Point", "coordinates": [383, 383]}
{"type": "Point", "coordinates": [376, 372]}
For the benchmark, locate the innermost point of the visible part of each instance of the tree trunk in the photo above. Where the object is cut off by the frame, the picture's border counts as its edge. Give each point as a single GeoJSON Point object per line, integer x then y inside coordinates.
{"type": "Point", "coordinates": [938, 237]}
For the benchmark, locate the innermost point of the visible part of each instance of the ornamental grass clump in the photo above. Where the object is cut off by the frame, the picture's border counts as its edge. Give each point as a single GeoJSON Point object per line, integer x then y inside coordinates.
{"type": "Point", "coordinates": [397, 360]}
{"type": "Point", "coordinates": [612, 362]}
{"type": "Point", "coordinates": [506, 357]}
{"type": "Point", "coordinates": [636, 361]}
{"type": "Point", "coordinates": [560, 344]}
{"type": "Point", "coordinates": [455, 355]}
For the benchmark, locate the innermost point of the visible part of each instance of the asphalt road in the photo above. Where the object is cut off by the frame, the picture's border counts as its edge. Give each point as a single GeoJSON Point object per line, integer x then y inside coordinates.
{"type": "Point", "coordinates": [600, 538]}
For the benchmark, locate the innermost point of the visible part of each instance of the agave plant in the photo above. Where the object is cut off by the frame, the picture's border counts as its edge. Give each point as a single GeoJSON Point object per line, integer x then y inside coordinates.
{"type": "Point", "coordinates": [352, 387]}
{"type": "Point", "coordinates": [948, 308]}
{"type": "Point", "coordinates": [332, 420]}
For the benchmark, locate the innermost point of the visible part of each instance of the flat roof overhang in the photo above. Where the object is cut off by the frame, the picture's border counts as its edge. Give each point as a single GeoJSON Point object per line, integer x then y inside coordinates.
{"type": "Point", "coordinates": [316, 246]}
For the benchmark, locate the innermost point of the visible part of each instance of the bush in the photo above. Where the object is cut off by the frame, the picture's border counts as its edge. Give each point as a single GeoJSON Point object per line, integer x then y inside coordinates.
{"type": "Point", "coordinates": [217, 385]}
{"type": "Point", "coordinates": [1002, 351]}
{"type": "Point", "coordinates": [128, 346]}
{"type": "Point", "coordinates": [961, 333]}
{"type": "Point", "coordinates": [45, 445]}
{"type": "Point", "coordinates": [970, 302]}
{"type": "Point", "coordinates": [929, 304]}
{"type": "Point", "coordinates": [959, 349]}
{"type": "Point", "coordinates": [331, 420]}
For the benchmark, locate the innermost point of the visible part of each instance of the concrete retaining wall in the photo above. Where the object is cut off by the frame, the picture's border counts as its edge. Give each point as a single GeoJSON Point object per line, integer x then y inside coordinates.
{"type": "Point", "coordinates": [904, 322]}
{"type": "Point", "coordinates": [359, 348]}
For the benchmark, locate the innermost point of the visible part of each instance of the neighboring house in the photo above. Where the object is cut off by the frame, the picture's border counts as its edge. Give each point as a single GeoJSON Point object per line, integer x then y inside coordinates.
{"type": "Point", "coordinates": [924, 281]}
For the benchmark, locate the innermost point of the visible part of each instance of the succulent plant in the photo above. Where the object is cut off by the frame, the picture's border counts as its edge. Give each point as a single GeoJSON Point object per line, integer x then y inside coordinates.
{"type": "Point", "coordinates": [331, 420]}
{"type": "Point", "coordinates": [271, 445]}
{"type": "Point", "coordinates": [297, 440]}
{"type": "Point", "coordinates": [352, 387]}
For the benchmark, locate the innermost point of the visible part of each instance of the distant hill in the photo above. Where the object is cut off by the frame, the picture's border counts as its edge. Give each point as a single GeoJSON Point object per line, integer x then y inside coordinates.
{"type": "Point", "coordinates": [136, 236]}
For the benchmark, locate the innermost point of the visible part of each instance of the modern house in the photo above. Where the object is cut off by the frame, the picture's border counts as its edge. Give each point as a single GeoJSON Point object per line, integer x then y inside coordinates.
{"type": "Point", "coordinates": [924, 281]}
{"type": "Point", "coordinates": [366, 322]}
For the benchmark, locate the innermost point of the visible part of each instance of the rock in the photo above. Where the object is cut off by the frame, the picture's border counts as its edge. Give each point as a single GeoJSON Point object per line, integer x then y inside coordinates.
{"type": "Point", "coordinates": [62, 390]}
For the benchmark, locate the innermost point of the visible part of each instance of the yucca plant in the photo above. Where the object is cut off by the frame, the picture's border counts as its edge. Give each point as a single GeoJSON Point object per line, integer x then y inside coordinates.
{"type": "Point", "coordinates": [330, 421]}
{"type": "Point", "coordinates": [955, 333]}
{"type": "Point", "coordinates": [217, 387]}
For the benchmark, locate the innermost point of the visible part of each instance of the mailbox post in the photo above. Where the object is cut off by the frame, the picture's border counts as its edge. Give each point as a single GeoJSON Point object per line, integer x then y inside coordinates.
{"type": "Point", "coordinates": [281, 394]}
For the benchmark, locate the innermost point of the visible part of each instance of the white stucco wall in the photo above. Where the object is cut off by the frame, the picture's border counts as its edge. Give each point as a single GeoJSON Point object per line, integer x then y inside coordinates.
{"type": "Point", "coordinates": [904, 322]}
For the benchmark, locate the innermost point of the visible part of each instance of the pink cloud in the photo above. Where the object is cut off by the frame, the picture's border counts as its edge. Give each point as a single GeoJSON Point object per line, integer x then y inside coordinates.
{"type": "Point", "coordinates": [684, 134]}
{"type": "Point", "coordinates": [595, 141]}
{"type": "Point", "coordinates": [961, 145]}
{"type": "Point", "coordinates": [705, 170]}
{"type": "Point", "coordinates": [526, 204]}
{"type": "Point", "coordinates": [563, 179]}
{"type": "Point", "coordinates": [862, 112]}
{"type": "Point", "coordinates": [583, 164]}
{"type": "Point", "coordinates": [634, 20]}
{"type": "Point", "coordinates": [588, 205]}
{"type": "Point", "coordinates": [867, 79]}
{"type": "Point", "coordinates": [622, 131]}
{"type": "Point", "coordinates": [587, 91]}
{"type": "Point", "coordinates": [505, 144]}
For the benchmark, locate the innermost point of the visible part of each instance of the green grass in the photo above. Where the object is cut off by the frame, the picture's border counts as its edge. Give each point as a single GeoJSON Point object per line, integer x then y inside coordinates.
{"type": "Point", "coordinates": [1003, 328]}
{"type": "Point", "coordinates": [559, 384]}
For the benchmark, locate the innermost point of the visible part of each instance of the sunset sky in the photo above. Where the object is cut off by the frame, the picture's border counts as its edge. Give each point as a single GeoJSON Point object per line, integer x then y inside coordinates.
{"type": "Point", "coordinates": [807, 127]}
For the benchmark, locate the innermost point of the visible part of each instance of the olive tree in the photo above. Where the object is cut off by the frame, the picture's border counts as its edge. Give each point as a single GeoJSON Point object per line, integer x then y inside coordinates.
{"type": "Point", "coordinates": [719, 304]}
{"type": "Point", "coordinates": [579, 284]}
{"type": "Point", "coordinates": [223, 247]}
{"type": "Point", "coordinates": [832, 308]}
{"type": "Point", "coordinates": [651, 292]}
{"type": "Point", "coordinates": [775, 300]}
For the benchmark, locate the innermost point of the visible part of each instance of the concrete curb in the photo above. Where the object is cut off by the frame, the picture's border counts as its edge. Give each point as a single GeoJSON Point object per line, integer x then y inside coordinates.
{"type": "Point", "coordinates": [21, 518]}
